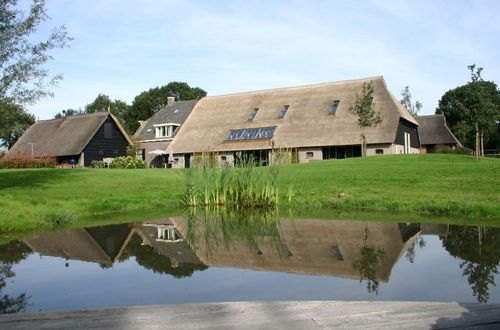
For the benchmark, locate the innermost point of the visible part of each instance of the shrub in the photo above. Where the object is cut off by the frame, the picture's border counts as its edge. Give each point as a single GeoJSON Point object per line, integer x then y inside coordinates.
{"type": "Point", "coordinates": [127, 162]}
{"type": "Point", "coordinates": [47, 162]}
{"type": "Point", "coordinates": [456, 151]}
{"type": "Point", "coordinates": [97, 163]}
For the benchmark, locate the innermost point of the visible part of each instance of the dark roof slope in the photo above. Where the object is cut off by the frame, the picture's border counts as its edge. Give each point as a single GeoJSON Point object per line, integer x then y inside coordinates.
{"type": "Point", "coordinates": [60, 137]}
{"type": "Point", "coordinates": [433, 130]}
{"type": "Point", "coordinates": [175, 113]}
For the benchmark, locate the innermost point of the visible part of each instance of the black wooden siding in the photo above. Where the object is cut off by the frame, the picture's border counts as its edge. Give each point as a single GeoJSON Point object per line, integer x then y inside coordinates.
{"type": "Point", "coordinates": [99, 147]}
{"type": "Point", "coordinates": [406, 126]}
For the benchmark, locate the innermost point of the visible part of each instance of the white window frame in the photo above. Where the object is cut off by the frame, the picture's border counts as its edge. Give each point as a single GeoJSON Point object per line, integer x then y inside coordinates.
{"type": "Point", "coordinates": [165, 130]}
{"type": "Point", "coordinates": [407, 142]}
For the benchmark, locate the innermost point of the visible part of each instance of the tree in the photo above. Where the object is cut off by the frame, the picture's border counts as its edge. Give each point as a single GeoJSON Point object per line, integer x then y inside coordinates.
{"type": "Point", "coordinates": [104, 103]}
{"type": "Point", "coordinates": [149, 102]}
{"type": "Point", "coordinates": [472, 112]}
{"type": "Point", "coordinates": [364, 109]}
{"type": "Point", "coordinates": [414, 109]}
{"type": "Point", "coordinates": [67, 113]}
{"type": "Point", "coordinates": [14, 121]}
{"type": "Point", "coordinates": [101, 103]}
{"type": "Point", "coordinates": [23, 77]}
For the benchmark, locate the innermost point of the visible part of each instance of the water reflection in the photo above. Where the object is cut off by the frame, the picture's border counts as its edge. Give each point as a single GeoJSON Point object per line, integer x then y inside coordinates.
{"type": "Point", "coordinates": [11, 254]}
{"type": "Point", "coordinates": [479, 249]}
{"type": "Point", "coordinates": [181, 246]}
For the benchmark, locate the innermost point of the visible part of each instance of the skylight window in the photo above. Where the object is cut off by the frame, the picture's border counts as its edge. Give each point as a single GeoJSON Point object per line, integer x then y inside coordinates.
{"type": "Point", "coordinates": [333, 108]}
{"type": "Point", "coordinates": [283, 112]}
{"type": "Point", "coordinates": [176, 111]}
{"type": "Point", "coordinates": [253, 114]}
{"type": "Point", "coordinates": [250, 133]}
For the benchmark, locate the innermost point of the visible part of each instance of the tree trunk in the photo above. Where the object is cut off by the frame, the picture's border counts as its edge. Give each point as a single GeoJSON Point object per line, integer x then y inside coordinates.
{"type": "Point", "coordinates": [363, 144]}
{"type": "Point", "coordinates": [477, 141]}
{"type": "Point", "coordinates": [482, 145]}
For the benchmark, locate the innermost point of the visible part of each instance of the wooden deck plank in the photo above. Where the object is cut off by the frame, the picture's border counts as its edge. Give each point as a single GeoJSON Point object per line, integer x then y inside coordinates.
{"type": "Point", "coordinates": [277, 315]}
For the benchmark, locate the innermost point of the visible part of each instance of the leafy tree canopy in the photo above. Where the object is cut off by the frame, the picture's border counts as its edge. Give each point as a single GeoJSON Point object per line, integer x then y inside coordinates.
{"type": "Point", "coordinates": [477, 102]}
{"type": "Point", "coordinates": [14, 121]}
{"type": "Point", "coordinates": [364, 109]}
{"type": "Point", "coordinates": [149, 102]}
{"type": "Point", "coordinates": [101, 103]}
{"type": "Point", "coordinates": [23, 77]}
{"type": "Point", "coordinates": [414, 109]}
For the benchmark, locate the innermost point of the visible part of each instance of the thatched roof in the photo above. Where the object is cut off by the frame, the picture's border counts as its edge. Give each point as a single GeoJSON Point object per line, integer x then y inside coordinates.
{"type": "Point", "coordinates": [175, 113]}
{"type": "Point", "coordinates": [306, 123]}
{"type": "Point", "coordinates": [61, 137]}
{"type": "Point", "coordinates": [433, 130]}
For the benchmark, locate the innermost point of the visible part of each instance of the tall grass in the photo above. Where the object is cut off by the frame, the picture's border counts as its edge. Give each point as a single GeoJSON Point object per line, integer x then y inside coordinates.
{"type": "Point", "coordinates": [209, 228]}
{"type": "Point", "coordinates": [243, 186]}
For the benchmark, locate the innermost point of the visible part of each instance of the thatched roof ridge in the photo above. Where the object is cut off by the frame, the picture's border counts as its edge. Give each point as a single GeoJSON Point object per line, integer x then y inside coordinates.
{"type": "Point", "coordinates": [433, 130]}
{"type": "Point", "coordinates": [307, 122]}
{"type": "Point", "coordinates": [61, 137]}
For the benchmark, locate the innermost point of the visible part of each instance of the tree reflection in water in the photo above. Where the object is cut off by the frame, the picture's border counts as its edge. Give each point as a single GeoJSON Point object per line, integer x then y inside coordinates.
{"type": "Point", "coordinates": [479, 248]}
{"type": "Point", "coordinates": [11, 254]}
{"type": "Point", "coordinates": [370, 259]}
{"type": "Point", "coordinates": [149, 258]}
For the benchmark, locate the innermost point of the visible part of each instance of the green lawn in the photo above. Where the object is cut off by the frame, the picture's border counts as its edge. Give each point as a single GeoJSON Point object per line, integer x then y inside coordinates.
{"type": "Point", "coordinates": [444, 185]}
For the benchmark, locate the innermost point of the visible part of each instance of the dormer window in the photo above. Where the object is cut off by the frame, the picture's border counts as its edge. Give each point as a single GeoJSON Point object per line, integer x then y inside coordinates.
{"type": "Point", "coordinates": [253, 114]}
{"type": "Point", "coordinates": [334, 106]}
{"type": "Point", "coordinates": [283, 112]}
{"type": "Point", "coordinates": [165, 130]}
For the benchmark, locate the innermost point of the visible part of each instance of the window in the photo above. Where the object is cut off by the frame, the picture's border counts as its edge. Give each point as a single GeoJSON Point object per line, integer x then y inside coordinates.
{"type": "Point", "coordinates": [108, 131]}
{"type": "Point", "coordinates": [165, 130]}
{"type": "Point", "coordinates": [223, 158]}
{"type": "Point", "coordinates": [309, 154]}
{"type": "Point", "coordinates": [250, 134]}
{"type": "Point", "coordinates": [283, 112]}
{"type": "Point", "coordinates": [253, 114]}
{"type": "Point", "coordinates": [336, 253]}
{"type": "Point", "coordinates": [176, 111]}
{"type": "Point", "coordinates": [379, 151]}
{"type": "Point", "coordinates": [333, 108]}
{"type": "Point", "coordinates": [168, 234]}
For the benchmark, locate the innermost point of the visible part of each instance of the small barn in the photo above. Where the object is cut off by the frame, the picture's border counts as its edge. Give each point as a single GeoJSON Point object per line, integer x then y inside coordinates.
{"type": "Point", "coordinates": [156, 133]}
{"type": "Point", "coordinates": [435, 134]}
{"type": "Point", "coordinates": [310, 123]}
{"type": "Point", "coordinates": [82, 138]}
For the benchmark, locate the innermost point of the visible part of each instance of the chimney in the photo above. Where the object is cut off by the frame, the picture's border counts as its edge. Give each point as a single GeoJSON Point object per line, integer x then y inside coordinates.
{"type": "Point", "coordinates": [170, 99]}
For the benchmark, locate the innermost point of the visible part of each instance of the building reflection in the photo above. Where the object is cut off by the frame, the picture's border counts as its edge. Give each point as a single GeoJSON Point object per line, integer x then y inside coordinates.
{"type": "Point", "coordinates": [305, 246]}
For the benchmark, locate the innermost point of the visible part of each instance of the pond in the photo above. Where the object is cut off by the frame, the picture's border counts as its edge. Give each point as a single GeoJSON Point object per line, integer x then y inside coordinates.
{"type": "Point", "coordinates": [248, 258]}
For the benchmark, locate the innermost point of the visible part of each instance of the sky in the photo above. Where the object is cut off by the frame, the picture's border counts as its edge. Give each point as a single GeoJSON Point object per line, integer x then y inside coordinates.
{"type": "Point", "coordinates": [124, 47]}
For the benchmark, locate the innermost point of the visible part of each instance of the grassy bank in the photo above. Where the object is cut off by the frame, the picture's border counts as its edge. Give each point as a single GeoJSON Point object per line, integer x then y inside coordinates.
{"type": "Point", "coordinates": [442, 185]}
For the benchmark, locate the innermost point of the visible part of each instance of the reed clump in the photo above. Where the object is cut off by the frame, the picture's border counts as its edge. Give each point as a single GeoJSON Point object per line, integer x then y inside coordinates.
{"type": "Point", "coordinates": [245, 185]}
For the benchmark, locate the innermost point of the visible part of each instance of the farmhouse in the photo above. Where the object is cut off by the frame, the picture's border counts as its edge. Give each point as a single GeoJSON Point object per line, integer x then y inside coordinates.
{"type": "Point", "coordinates": [308, 123]}
{"type": "Point", "coordinates": [156, 133]}
{"type": "Point", "coordinates": [434, 134]}
{"type": "Point", "coordinates": [81, 138]}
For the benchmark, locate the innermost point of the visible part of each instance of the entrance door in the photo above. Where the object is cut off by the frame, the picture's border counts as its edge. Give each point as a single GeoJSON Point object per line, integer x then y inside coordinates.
{"type": "Point", "coordinates": [187, 160]}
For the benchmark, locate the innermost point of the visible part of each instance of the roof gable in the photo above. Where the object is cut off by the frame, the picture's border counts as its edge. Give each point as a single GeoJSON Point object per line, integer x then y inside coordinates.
{"type": "Point", "coordinates": [60, 137]}
{"type": "Point", "coordinates": [175, 113]}
{"type": "Point", "coordinates": [433, 130]}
